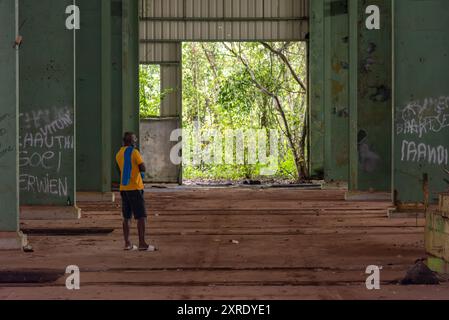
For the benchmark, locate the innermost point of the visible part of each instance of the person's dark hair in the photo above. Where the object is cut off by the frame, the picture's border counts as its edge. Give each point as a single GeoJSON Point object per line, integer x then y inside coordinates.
{"type": "Point", "coordinates": [128, 138]}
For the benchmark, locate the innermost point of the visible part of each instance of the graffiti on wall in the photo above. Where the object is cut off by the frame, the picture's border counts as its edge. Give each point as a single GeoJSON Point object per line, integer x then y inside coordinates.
{"type": "Point", "coordinates": [422, 117]}
{"type": "Point", "coordinates": [417, 120]}
{"type": "Point", "coordinates": [421, 152]}
{"type": "Point", "coordinates": [46, 137]}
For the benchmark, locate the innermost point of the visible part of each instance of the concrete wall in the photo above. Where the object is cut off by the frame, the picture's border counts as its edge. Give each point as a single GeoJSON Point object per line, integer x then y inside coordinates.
{"type": "Point", "coordinates": [156, 147]}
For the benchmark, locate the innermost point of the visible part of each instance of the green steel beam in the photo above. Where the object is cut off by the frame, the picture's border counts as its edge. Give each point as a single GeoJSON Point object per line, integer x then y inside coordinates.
{"type": "Point", "coordinates": [106, 65]}
{"type": "Point", "coordinates": [9, 115]}
{"type": "Point", "coordinates": [353, 93]}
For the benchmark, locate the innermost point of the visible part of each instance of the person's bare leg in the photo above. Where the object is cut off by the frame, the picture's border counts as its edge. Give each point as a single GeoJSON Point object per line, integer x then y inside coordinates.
{"type": "Point", "coordinates": [141, 230]}
{"type": "Point", "coordinates": [126, 231]}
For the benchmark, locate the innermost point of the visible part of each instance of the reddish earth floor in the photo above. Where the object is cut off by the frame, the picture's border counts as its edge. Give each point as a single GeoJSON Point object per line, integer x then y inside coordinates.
{"type": "Point", "coordinates": [224, 244]}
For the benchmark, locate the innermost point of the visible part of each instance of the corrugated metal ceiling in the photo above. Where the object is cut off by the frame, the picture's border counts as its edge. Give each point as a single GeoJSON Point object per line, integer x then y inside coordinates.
{"type": "Point", "coordinates": [163, 21]}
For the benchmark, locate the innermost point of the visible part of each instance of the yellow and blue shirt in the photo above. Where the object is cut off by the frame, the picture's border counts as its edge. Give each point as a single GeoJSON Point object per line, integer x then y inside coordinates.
{"type": "Point", "coordinates": [129, 160]}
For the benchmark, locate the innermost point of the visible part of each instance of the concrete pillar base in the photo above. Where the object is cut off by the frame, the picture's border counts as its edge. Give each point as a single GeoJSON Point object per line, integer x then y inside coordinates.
{"type": "Point", "coordinates": [49, 213]}
{"type": "Point", "coordinates": [367, 196]}
{"type": "Point", "coordinates": [95, 197]}
{"type": "Point", "coordinates": [13, 240]}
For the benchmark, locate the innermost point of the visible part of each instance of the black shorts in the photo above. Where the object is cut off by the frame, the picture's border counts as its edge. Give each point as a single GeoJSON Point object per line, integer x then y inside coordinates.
{"type": "Point", "coordinates": [133, 203]}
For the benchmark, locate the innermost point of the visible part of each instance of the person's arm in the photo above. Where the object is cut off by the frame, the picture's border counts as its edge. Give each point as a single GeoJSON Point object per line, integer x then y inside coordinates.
{"type": "Point", "coordinates": [140, 163]}
{"type": "Point", "coordinates": [117, 165]}
{"type": "Point", "coordinates": [142, 169]}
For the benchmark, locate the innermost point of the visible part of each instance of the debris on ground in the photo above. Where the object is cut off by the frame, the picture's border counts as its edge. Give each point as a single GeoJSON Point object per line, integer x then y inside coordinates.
{"type": "Point", "coordinates": [234, 241]}
{"type": "Point", "coordinates": [420, 274]}
{"type": "Point", "coordinates": [252, 182]}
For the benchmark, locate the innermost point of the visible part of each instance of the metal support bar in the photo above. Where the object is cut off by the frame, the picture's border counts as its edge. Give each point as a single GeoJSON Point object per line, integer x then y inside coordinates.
{"type": "Point", "coordinates": [222, 19]}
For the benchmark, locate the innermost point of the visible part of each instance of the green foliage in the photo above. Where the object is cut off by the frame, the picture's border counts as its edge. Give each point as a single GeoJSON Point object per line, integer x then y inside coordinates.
{"type": "Point", "coordinates": [149, 90]}
{"type": "Point", "coordinates": [219, 94]}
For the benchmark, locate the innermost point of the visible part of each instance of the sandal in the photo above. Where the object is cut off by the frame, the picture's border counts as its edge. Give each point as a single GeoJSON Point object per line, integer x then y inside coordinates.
{"type": "Point", "coordinates": [130, 248]}
{"type": "Point", "coordinates": [150, 248]}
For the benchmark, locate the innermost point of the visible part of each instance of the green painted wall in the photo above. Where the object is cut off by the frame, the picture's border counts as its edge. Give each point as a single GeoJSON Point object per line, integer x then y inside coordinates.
{"type": "Point", "coordinates": [374, 83]}
{"type": "Point", "coordinates": [9, 195]}
{"type": "Point", "coordinates": [47, 129]}
{"type": "Point", "coordinates": [421, 97]}
{"type": "Point", "coordinates": [89, 99]}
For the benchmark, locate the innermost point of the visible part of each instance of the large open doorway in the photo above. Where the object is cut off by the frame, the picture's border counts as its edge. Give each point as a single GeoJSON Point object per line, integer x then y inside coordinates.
{"type": "Point", "coordinates": [243, 114]}
{"type": "Point", "coordinates": [206, 97]}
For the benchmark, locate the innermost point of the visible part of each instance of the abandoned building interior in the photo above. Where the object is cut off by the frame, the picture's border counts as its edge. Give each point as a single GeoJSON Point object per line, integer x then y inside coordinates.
{"type": "Point", "coordinates": [378, 112]}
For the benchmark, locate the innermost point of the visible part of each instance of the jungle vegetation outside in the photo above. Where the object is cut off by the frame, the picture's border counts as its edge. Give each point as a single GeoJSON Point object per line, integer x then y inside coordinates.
{"type": "Point", "coordinates": [241, 86]}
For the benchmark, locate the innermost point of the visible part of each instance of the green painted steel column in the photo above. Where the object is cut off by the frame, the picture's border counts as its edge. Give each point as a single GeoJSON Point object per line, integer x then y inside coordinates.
{"type": "Point", "coordinates": [328, 170]}
{"type": "Point", "coordinates": [9, 115]}
{"type": "Point", "coordinates": [130, 67]}
{"type": "Point", "coordinates": [116, 85]}
{"type": "Point", "coordinates": [106, 65]}
{"type": "Point", "coordinates": [316, 87]}
{"type": "Point", "coordinates": [353, 93]}
{"type": "Point", "coordinates": [89, 85]}
{"type": "Point", "coordinates": [374, 99]}
{"type": "Point", "coordinates": [171, 82]}
{"type": "Point", "coordinates": [336, 83]}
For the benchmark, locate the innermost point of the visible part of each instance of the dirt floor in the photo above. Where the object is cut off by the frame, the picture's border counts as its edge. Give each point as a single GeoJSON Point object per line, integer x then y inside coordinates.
{"type": "Point", "coordinates": [218, 243]}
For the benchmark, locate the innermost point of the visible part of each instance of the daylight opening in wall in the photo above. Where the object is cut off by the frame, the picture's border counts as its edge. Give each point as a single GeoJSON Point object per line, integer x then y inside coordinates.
{"type": "Point", "coordinates": [150, 90]}
{"type": "Point", "coordinates": [244, 111]}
